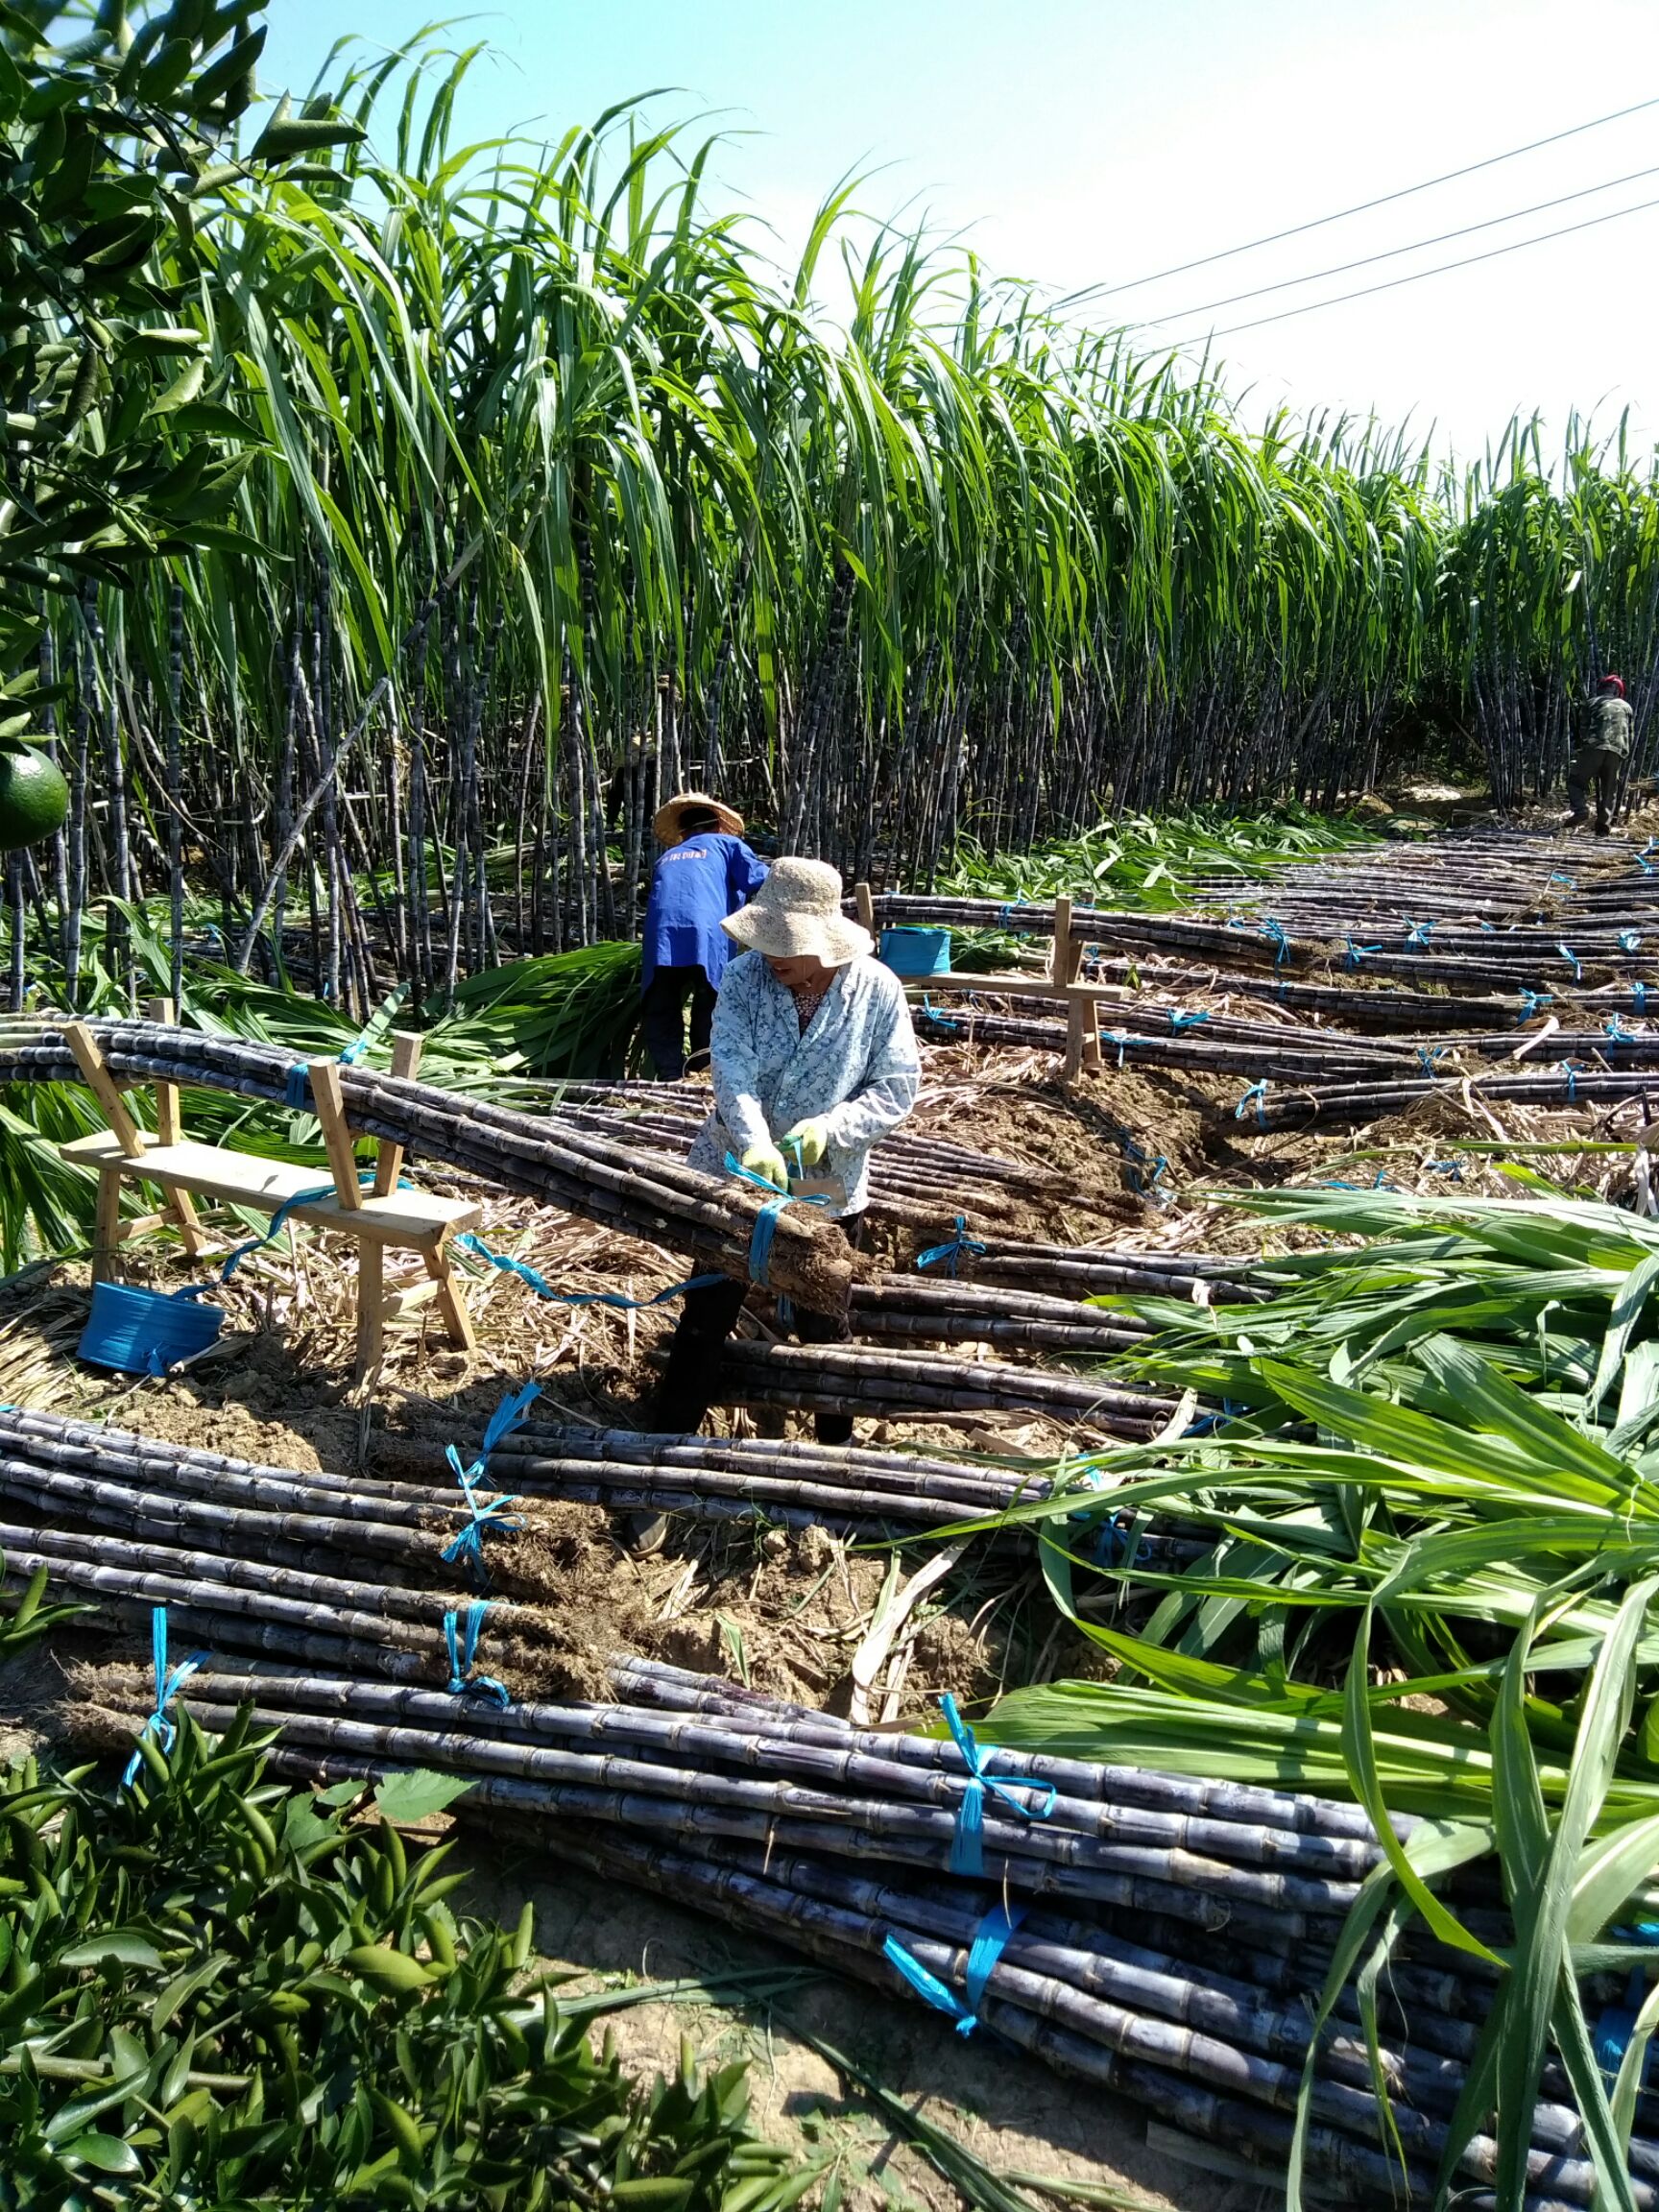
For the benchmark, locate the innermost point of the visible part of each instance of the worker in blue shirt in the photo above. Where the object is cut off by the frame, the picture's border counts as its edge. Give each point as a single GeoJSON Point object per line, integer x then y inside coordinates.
{"type": "Point", "coordinates": [706, 874]}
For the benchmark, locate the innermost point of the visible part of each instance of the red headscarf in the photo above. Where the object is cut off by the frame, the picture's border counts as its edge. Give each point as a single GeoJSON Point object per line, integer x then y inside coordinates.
{"type": "Point", "coordinates": [1616, 682]}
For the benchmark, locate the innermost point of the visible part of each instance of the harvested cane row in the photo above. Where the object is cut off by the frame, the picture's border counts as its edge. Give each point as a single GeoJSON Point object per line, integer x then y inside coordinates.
{"type": "Point", "coordinates": [1153, 1935]}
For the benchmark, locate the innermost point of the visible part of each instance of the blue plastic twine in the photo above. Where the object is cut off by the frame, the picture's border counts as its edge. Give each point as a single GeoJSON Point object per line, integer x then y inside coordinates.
{"type": "Point", "coordinates": [1179, 1021]}
{"type": "Point", "coordinates": [1354, 953]}
{"type": "Point", "coordinates": [1427, 1054]}
{"type": "Point", "coordinates": [1616, 2024]}
{"type": "Point", "coordinates": [967, 1843]}
{"type": "Point", "coordinates": [1418, 932]}
{"type": "Point", "coordinates": [990, 1939]}
{"type": "Point", "coordinates": [1569, 880]}
{"type": "Point", "coordinates": [949, 1253]}
{"type": "Point", "coordinates": [297, 1089]}
{"type": "Point", "coordinates": [167, 1687]}
{"type": "Point", "coordinates": [544, 1290]}
{"type": "Point", "coordinates": [939, 1021]}
{"type": "Point", "coordinates": [1273, 929]}
{"type": "Point", "coordinates": [1258, 1093]}
{"type": "Point", "coordinates": [279, 1222]}
{"type": "Point", "coordinates": [1614, 1027]}
{"type": "Point", "coordinates": [1572, 961]}
{"type": "Point", "coordinates": [1629, 939]}
{"type": "Point", "coordinates": [1570, 1068]}
{"type": "Point", "coordinates": [1117, 1037]}
{"type": "Point", "coordinates": [766, 1220]}
{"type": "Point", "coordinates": [468, 1545]}
{"type": "Point", "coordinates": [462, 1644]}
{"type": "Point", "coordinates": [1639, 991]}
{"type": "Point", "coordinates": [1534, 1002]}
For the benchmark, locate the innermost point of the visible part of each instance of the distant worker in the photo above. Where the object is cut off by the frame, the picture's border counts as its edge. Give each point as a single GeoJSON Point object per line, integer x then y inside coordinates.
{"type": "Point", "coordinates": [1606, 730]}
{"type": "Point", "coordinates": [814, 1058]}
{"type": "Point", "coordinates": [705, 876]}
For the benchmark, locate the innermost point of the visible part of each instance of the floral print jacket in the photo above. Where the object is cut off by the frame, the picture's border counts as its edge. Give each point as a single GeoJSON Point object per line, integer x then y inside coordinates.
{"type": "Point", "coordinates": [858, 1064]}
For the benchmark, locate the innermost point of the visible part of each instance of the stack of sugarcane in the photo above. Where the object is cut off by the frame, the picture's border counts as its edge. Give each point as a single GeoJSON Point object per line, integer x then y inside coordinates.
{"type": "Point", "coordinates": [713, 1220]}
{"type": "Point", "coordinates": [1163, 1937]}
{"type": "Point", "coordinates": [881, 1384]}
{"type": "Point", "coordinates": [93, 1502]}
{"type": "Point", "coordinates": [917, 1181]}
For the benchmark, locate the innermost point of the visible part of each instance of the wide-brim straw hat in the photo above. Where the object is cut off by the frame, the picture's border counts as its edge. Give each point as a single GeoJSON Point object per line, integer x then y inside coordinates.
{"type": "Point", "coordinates": [666, 820]}
{"type": "Point", "coordinates": [796, 914]}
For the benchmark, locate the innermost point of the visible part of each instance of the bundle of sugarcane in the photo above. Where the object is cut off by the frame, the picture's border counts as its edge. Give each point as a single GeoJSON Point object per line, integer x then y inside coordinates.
{"type": "Point", "coordinates": [855, 1378]}
{"type": "Point", "coordinates": [1562, 1085]}
{"type": "Point", "coordinates": [1158, 1936]}
{"type": "Point", "coordinates": [1085, 1270]}
{"type": "Point", "coordinates": [795, 1483]}
{"type": "Point", "coordinates": [712, 1218]}
{"type": "Point", "coordinates": [963, 1314]}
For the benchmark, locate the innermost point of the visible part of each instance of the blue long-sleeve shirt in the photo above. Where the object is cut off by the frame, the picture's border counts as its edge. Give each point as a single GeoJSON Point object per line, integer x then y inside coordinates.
{"type": "Point", "coordinates": [693, 887]}
{"type": "Point", "coordinates": [856, 1066]}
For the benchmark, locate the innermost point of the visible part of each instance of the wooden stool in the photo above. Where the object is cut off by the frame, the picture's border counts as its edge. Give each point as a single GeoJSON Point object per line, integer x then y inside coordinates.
{"type": "Point", "coordinates": [381, 1218]}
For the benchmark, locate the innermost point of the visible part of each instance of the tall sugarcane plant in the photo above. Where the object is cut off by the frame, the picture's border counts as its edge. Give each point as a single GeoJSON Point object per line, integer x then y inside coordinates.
{"type": "Point", "coordinates": [551, 494]}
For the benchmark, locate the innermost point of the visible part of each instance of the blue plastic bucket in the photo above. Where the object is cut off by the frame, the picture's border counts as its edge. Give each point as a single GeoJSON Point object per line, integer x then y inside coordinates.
{"type": "Point", "coordinates": [146, 1331]}
{"type": "Point", "coordinates": [917, 951]}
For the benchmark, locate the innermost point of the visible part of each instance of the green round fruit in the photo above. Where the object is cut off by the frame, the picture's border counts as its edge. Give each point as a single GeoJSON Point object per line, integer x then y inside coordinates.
{"type": "Point", "coordinates": [34, 797]}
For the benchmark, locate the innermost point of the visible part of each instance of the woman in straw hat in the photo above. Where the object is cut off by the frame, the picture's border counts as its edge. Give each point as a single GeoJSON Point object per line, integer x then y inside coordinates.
{"type": "Point", "coordinates": [706, 874]}
{"type": "Point", "coordinates": [813, 1057]}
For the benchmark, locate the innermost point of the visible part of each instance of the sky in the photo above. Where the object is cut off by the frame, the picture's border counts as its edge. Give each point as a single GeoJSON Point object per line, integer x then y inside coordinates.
{"type": "Point", "coordinates": [1087, 145]}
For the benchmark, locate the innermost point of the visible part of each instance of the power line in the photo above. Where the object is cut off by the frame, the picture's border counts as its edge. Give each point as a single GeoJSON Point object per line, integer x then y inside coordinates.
{"type": "Point", "coordinates": [1393, 253]}
{"type": "Point", "coordinates": [1134, 284]}
{"type": "Point", "coordinates": [1468, 261]}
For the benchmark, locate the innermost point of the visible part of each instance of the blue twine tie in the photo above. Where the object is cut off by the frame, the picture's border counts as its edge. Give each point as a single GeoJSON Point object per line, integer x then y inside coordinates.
{"type": "Point", "coordinates": [1570, 1068]}
{"type": "Point", "coordinates": [1117, 1037]}
{"type": "Point", "coordinates": [1570, 881]}
{"type": "Point", "coordinates": [1354, 953]}
{"type": "Point", "coordinates": [1533, 1002]}
{"type": "Point", "coordinates": [1417, 932]}
{"type": "Point", "coordinates": [1616, 2024]}
{"type": "Point", "coordinates": [511, 1414]}
{"type": "Point", "coordinates": [297, 1089]}
{"type": "Point", "coordinates": [544, 1290]}
{"type": "Point", "coordinates": [1614, 1027]}
{"type": "Point", "coordinates": [1639, 991]}
{"type": "Point", "coordinates": [967, 1843]}
{"type": "Point", "coordinates": [462, 1644]}
{"type": "Point", "coordinates": [279, 1220]}
{"type": "Point", "coordinates": [949, 1253]}
{"type": "Point", "coordinates": [1427, 1054]}
{"type": "Point", "coordinates": [1258, 1093]}
{"type": "Point", "coordinates": [990, 1940]}
{"type": "Point", "coordinates": [1273, 929]}
{"type": "Point", "coordinates": [766, 1220]}
{"type": "Point", "coordinates": [167, 1687]}
{"type": "Point", "coordinates": [1572, 961]}
{"type": "Point", "coordinates": [1179, 1021]}
{"type": "Point", "coordinates": [938, 1019]}
{"type": "Point", "coordinates": [1629, 939]}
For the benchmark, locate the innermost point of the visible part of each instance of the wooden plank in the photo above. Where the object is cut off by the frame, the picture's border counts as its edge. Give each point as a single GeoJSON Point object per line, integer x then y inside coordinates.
{"type": "Point", "coordinates": [167, 1125]}
{"type": "Point", "coordinates": [1075, 1031]}
{"type": "Point", "coordinates": [181, 1215]}
{"type": "Point", "coordinates": [406, 1051]}
{"type": "Point", "coordinates": [1060, 952]}
{"type": "Point", "coordinates": [106, 1226]}
{"type": "Point", "coordinates": [406, 1217]}
{"type": "Point", "coordinates": [451, 1300]}
{"type": "Point", "coordinates": [370, 1304]}
{"type": "Point", "coordinates": [1012, 983]}
{"type": "Point", "coordinates": [102, 1085]}
{"type": "Point", "coordinates": [325, 1078]}
{"type": "Point", "coordinates": [866, 907]}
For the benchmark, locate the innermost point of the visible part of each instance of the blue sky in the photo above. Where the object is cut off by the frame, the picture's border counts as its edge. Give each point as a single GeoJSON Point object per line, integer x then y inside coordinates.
{"type": "Point", "coordinates": [1092, 142]}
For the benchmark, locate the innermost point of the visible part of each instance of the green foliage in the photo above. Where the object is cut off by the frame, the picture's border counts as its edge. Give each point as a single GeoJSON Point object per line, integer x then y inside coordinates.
{"type": "Point", "coordinates": [32, 1618]}
{"type": "Point", "coordinates": [219, 1992]}
{"type": "Point", "coordinates": [1432, 1510]}
{"type": "Point", "coordinates": [116, 448]}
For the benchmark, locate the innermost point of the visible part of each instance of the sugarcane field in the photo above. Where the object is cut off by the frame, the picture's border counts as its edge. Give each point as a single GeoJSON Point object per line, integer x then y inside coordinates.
{"type": "Point", "coordinates": [828, 1120]}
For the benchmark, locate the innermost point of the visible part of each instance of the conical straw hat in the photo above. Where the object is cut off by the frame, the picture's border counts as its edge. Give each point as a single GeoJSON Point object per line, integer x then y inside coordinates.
{"type": "Point", "coordinates": [666, 820]}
